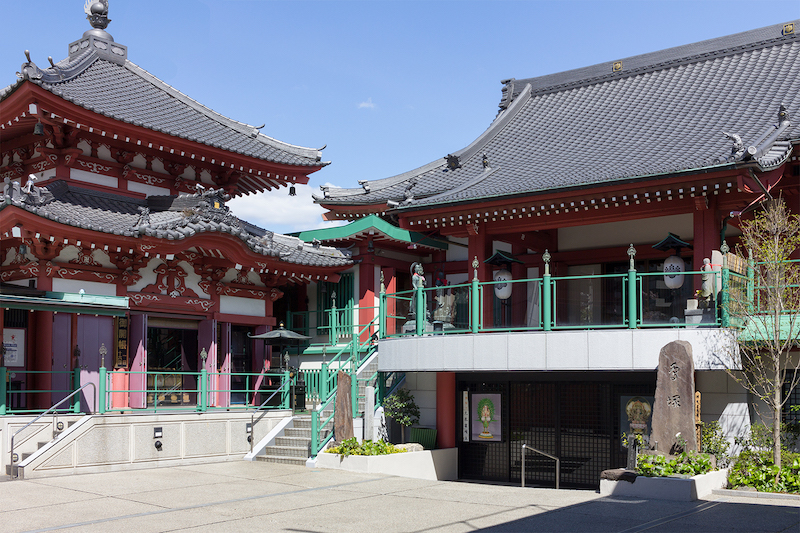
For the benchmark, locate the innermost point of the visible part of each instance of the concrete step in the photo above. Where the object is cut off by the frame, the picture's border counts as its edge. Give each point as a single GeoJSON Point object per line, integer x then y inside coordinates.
{"type": "Point", "coordinates": [297, 442]}
{"type": "Point", "coordinates": [287, 451]}
{"type": "Point", "coordinates": [300, 461]}
{"type": "Point", "coordinates": [298, 432]}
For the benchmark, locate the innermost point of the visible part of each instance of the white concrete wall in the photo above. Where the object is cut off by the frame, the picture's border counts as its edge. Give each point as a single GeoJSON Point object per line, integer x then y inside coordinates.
{"type": "Point", "coordinates": [723, 399]}
{"type": "Point", "coordinates": [557, 350]}
{"type": "Point", "coordinates": [122, 442]}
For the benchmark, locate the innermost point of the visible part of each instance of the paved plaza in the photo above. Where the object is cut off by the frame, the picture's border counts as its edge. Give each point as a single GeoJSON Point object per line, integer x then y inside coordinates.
{"type": "Point", "coordinates": [240, 496]}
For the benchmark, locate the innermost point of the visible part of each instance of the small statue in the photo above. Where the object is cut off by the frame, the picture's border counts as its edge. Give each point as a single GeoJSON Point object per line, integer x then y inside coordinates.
{"type": "Point", "coordinates": [417, 282]}
{"type": "Point", "coordinates": [707, 284]}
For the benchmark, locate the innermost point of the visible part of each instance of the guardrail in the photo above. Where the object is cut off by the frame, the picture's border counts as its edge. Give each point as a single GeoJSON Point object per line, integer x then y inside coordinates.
{"type": "Point", "coordinates": [51, 409]}
{"type": "Point", "coordinates": [556, 459]}
{"type": "Point", "coordinates": [629, 300]}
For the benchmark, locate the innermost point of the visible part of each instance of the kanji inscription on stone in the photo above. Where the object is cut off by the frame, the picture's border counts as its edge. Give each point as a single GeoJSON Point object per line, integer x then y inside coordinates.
{"type": "Point", "coordinates": [672, 414]}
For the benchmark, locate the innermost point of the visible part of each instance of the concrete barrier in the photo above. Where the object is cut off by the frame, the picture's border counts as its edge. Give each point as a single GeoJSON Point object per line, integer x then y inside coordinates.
{"type": "Point", "coordinates": [666, 488]}
{"type": "Point", "coordinates": [429, 464]}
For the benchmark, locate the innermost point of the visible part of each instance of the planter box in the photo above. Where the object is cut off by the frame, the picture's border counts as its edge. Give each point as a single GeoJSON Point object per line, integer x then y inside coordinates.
{"type": "Point", "coordinates": [666, 488]}
{"type": "Point", "coordinates": [429, 464]}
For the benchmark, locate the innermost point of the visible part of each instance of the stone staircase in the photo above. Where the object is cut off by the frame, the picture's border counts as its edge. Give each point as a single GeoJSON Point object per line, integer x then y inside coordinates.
{"type": "Point", "coordinates": [293, 447]}
{"type": "Point", "coordinates": [26, 450]}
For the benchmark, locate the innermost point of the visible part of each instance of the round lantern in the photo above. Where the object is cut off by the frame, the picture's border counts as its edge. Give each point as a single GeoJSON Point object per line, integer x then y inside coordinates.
{"type": "Point", "coordinates": [674, 267]}
{"type": "Point", "coordinates": [502, 290]}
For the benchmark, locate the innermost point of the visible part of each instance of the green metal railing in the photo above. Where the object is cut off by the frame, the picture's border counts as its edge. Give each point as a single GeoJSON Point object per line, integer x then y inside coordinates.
{"type": "Point", "coordinates": [17, 400]}
{"type": "Point", "coordinates": [629, 300]}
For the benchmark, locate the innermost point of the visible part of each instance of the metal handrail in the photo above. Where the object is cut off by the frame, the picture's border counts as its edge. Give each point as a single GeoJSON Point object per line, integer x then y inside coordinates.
{"type": "Point", "coordinates": [253, 420]}
{"type": "Point", "coordinates": [556, 459]}
{"type": "Point", "coordinates": [73, 393]}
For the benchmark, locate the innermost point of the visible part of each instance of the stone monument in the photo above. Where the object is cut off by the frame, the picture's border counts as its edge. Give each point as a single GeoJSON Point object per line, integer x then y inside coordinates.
{"type": "Point", "coordinates": [343, 409]}
{"type": "Point", "coordinates": [673, 412]}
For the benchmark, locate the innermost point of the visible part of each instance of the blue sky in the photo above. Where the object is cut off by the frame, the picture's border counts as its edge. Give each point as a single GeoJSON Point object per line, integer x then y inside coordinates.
{"type": "Point", "coordinates": [388, 86]}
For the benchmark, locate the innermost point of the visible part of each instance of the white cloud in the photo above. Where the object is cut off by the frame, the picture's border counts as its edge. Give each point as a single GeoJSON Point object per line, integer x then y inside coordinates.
{"type": "Point", "coordinates": [367, 105]}
{"type": "Point", "coordinates": [277, 211]}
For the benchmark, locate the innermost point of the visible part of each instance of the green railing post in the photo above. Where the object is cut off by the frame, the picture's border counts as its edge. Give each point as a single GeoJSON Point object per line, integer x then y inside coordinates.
{"type": "Point", "coordinates": [725, 318]}
{"type": "Point", "coordinates": [102, 390]}
{"type": "Point", "coordinates": [202, 405]}
{"type": "Point", "coordinates": [475, 298]}
{"type": "Point", "coordinates": [354, 388]}
{"type": "Point", "coordinates": [3, 390]}
{"type": "Point", "coordinates": [286, 400]}
{"type": "Point", "coordinates": [314, 432]}
{"type": "Point", "coordinates": [76, 384]}
{"type": "Point", "coordinates": [333, 322]}
{"type": "Point", "coordinates": [632, 289]}
{"type": "Point", "coordinates": [382, 309]}
{"type": "Point", "coordinates": [323, 383]}
{"type": "Point", "coordinates": [547, 294]}
{"type": "Point", "coordinates": [419, 309]}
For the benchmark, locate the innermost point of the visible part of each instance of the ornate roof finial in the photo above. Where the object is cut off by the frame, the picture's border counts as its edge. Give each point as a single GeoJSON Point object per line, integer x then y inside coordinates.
{"type": "Point", "coordinates": [97, 13]}
{"type": "Point", "coordinates": [783, 114]}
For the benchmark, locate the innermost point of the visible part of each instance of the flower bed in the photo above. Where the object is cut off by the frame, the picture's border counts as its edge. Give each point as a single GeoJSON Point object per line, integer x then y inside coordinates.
{"type": "Point", "coordinates": [426, 464]}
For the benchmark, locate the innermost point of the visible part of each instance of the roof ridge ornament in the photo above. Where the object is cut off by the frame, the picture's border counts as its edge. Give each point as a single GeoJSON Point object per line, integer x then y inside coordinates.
{"type": "Point", "coordinates": [97, 13]}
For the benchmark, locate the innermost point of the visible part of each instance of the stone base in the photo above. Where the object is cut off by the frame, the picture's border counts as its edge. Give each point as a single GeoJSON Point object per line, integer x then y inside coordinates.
{"type": "Point", "coordinates": [666, 488]}
{"type": "Point", "coordinates": [699, 316]}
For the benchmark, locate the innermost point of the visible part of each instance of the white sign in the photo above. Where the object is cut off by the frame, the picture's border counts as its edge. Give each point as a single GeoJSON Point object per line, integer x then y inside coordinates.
{"type": "Point", "coordinates": [14, 344]}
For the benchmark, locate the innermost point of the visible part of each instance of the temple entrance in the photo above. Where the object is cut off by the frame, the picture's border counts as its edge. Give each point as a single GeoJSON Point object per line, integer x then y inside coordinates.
{"type": "Point", "coordinates": [579, 421]}
{"type": "Point", "coordinates": [171, 364]}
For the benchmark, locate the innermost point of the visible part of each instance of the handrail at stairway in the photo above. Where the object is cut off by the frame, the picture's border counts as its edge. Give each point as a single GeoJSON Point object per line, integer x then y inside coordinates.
{"type": "Point", "coordinates": [70, 395]}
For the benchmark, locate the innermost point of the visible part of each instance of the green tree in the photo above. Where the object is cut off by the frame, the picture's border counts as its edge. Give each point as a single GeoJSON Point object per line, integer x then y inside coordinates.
{"type": "Point", "coordinates": [764, 312]}
{"type": "Point", "coordinates": [401, 408]}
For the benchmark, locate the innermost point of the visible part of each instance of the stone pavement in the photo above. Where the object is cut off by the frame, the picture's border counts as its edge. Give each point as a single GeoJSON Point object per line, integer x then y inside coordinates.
{"type": "Point", "coordinates": [241, 496]}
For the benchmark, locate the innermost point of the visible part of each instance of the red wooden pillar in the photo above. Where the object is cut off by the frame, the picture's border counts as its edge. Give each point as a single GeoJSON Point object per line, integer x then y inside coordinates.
{"type": "Point", "coordinates": [366, 294]}
{"type": "Point", "coordinates": [480, 246]}
{"type": "Point", "coordinates": [224, 379]}
{"type": "Point", "coordinates": [519, 294]}
{"type": "Point", "coordinates": [137, 344]}
{"type": "Point", "coordinates": [706, 232]}
{"type": "Point", "coordinates": [446, 409]}
{"type": "Point", "coordinates": [207, 340]}
{"type": "Point", "coordinates": [390, 282]}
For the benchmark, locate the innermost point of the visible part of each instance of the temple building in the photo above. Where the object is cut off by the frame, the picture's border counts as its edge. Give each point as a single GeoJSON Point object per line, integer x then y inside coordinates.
{"type": "Point", "coordinates": [118, 251]}
{"type": "Point", "coordinates": [593, 222]}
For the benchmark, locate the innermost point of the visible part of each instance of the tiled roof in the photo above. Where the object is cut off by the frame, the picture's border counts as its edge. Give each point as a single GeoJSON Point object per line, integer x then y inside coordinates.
{"type": "Point", "coordinates": [659, 113]}
{"type": "Point", "coordinates": [122, 90]}
{"type": "Point", "coordinates": [163, 217]}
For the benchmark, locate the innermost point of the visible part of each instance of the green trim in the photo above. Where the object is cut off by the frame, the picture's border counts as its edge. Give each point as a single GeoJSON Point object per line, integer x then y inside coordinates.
{"type": "Point", "coordinates": [760, 328]}
{"type": "Point", "coordinates": [68, 303]}
{"type": "Point", "coordinates": [371, 222]}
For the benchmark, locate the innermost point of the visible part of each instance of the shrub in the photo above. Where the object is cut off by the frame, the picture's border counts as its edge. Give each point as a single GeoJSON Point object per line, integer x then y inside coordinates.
{"type": "Point", "coordinates": [353, 447]}
{"type": "Point", "coordinates": [402, 408]}
{"type": "Point", "coordinates": [756, 468]}
{"type": "Point", "coordinates": [713, 442]}
{"type": "Point", "coordinates": [690, 464]}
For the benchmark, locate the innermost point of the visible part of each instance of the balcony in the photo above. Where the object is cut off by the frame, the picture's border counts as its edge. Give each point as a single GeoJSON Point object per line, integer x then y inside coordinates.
{"type": "Point", "coordinates": [614, 322]}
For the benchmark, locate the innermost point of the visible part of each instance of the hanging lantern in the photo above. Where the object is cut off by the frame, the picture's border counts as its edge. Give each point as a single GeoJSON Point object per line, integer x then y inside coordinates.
{"type": "Point", "coordinates": [502, 290]}
{"type": "Point", "coordinates": [674, 267]}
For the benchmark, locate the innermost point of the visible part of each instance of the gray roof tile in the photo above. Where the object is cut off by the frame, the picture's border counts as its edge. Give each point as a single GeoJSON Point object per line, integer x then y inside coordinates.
{"type": "Point", "coordinates": [126, 92]}
{"type": "Point", "coordinates": [664, 113]}
{"type": "Point", "coordinates": [164, 217]}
